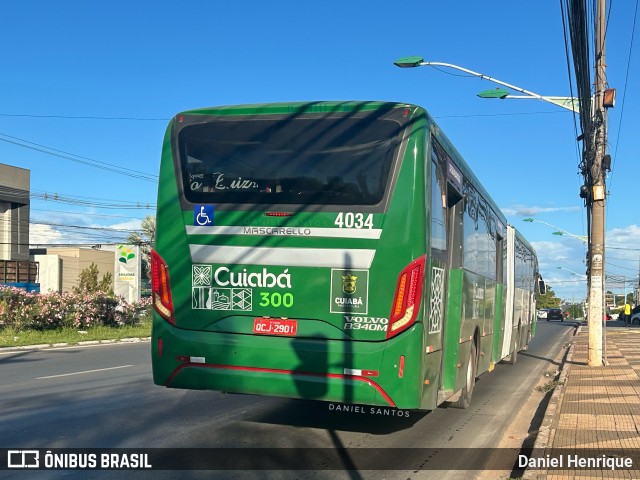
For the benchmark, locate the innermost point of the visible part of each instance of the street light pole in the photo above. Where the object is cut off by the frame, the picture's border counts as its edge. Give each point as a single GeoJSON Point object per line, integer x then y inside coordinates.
{"type": "Point", "coordinates": [582, 238]}
{"type": "Point", "coordinates": [559, 231]}
{"type": "Point", "coordinates": [570, 103]}
{"type": "Point", "coordinates": [410, 62]}
{"type": "Point", "coordinates": [595, 180]}
{"type": "Point", "coordinates": [637, 290]}
{"type": "Point", "coordinates": [574, 273]}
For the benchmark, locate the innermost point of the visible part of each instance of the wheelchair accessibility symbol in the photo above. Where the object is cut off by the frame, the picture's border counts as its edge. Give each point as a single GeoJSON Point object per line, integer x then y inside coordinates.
{"type": "Point", "coordinates": [203, 215]}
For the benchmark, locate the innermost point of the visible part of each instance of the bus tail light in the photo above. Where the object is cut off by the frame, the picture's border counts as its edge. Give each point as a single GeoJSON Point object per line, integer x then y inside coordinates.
{"type": "Point", "coordinates": [160, 287]}
{"type": "Point", "coordinates": [406, 302]}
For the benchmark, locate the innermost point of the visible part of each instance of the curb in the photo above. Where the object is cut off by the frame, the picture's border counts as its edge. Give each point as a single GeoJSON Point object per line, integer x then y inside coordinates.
{"type": "Point", "coordinates": [547, 432]}
{"type": "Point", "coordinates": [88, 343]}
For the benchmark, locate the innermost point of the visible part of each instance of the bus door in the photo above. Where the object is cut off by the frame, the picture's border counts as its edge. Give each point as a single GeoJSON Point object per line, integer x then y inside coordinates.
{"type": "Point", "coordinates": [445, 241]}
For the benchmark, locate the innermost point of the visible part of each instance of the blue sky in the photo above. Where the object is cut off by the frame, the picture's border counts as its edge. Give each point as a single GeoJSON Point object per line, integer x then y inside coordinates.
{"type": "Point", "coordinates": [99, 81]}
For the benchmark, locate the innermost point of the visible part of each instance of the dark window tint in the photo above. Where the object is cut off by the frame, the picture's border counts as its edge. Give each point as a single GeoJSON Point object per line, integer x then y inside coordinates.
{"type": "Point", "coordinates": [331, 160]}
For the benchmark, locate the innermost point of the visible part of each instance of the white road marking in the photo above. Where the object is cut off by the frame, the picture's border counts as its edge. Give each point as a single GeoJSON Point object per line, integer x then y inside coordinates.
{"type": "Point", "coordinates": [82, 373]}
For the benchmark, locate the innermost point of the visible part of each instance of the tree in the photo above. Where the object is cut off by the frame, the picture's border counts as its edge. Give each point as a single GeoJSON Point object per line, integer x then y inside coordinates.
{"type": "Point", "coordinates": [88, 281]}
{"type": "Point", "coordinates": [145, 239]}
{"type": "Point", "coordinates": [548, 300]}
{"type": "Point", "coordinates": [575, 310]}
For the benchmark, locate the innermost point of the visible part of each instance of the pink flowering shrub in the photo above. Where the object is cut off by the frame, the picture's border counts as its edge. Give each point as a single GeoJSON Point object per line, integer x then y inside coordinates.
{"type": "Point", "coordinates": [51, 311]}
{"type": "Point", "coordinates": [132, 313]}
{"type": "Point", "coordinates": [21, 310]}
{"type": "Point", "coordinates": [17, 307]}
{"type": "Point", "coordinates": [91, 309]}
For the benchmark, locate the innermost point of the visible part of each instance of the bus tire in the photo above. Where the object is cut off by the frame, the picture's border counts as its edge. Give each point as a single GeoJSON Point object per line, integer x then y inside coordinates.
{"type": "Point", "coordinates": [467, 391]}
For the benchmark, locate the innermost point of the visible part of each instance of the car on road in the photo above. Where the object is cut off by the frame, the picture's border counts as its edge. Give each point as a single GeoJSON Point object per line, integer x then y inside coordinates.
{"type": "Point", "coordinates": [555, 314]}
{"type": "Point", "coordinates": [635, 315]}
{"type": "Point", "coordinates": [542, 313]}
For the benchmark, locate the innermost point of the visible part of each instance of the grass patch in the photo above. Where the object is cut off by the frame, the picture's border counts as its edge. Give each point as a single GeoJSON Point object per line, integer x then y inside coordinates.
{"type": "Point", "coordinates": [10, 337]}
{"type": "Point", "coordinates": [547, 387]}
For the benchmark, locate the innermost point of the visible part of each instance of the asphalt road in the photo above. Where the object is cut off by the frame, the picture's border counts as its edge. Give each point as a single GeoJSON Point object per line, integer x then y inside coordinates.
{"type": "Point", "coordinates": [103, 397]}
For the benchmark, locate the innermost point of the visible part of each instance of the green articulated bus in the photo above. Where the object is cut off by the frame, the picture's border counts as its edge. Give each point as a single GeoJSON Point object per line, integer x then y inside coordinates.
{"type": "Point", "coordinates": [334, 251]}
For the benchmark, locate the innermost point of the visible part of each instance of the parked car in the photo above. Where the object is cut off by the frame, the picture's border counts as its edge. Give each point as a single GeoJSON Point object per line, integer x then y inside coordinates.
{"type": "Point", "coordinates": [555, 314]}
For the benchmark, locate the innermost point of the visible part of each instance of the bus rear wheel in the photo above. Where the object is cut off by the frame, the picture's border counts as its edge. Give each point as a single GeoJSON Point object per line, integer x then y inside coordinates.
{"type": "Point", "coordinates": [467, 391]}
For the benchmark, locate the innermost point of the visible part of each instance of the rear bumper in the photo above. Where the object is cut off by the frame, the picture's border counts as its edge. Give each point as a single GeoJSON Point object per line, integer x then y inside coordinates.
{"type": "Point", "coordinates": [317, 369]}
{"type": "Point", "coordinates": [282, 383]}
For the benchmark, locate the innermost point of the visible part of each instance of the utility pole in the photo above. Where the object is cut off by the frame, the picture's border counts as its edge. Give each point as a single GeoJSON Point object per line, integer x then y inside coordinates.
{"type": "Point", "coordinates": [598, 196]}
{"type": "Point", "coordinates": [637, 297]}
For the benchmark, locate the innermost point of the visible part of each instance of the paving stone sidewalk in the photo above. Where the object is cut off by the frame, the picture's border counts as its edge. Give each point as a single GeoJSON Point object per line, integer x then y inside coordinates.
{"type": "Point", "coordinates": [595, 414]}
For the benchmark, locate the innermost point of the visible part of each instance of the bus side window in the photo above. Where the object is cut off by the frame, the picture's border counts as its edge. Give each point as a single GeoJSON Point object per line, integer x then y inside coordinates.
{"type": "Point", "coordinates": [438, 210]}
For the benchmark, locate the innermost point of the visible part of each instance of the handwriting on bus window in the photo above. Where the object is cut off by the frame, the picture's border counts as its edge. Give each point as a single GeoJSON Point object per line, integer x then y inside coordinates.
{"type": "Point", "coordinates": [195, 181]}
{"type": "Point", "coordinates": [220, 182]}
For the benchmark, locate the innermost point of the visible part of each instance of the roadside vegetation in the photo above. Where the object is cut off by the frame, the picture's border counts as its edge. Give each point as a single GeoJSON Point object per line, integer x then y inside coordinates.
{"type": "Point", "coordinates": [548, 299]}
{"type": "Point", "coordinates": [91, 312]}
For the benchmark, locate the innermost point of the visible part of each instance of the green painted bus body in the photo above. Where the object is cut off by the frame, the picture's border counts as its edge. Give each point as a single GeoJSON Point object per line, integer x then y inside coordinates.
{"type": "Point", "coordinates": [340, 351]}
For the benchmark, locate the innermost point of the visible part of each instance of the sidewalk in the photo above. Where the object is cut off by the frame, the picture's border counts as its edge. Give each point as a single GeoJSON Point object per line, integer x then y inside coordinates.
{"type": "Point", "coordinates": [595, 412]}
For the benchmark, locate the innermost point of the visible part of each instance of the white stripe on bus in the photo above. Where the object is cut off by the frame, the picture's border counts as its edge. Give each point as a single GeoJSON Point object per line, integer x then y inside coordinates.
{"type": "Point", "coordinates": [369, 233]}
{"type": "Point", "coordinates": [286, 257]}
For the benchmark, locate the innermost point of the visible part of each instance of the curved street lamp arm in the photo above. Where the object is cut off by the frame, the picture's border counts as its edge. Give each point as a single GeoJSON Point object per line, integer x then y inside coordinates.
{"type": "Point", "coordinates": [494, 80]}
{"type": "Point", "coordinates": [582, 238]}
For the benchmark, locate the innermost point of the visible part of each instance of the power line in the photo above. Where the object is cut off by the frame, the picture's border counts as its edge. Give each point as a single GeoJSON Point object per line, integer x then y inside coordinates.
{"type": "Point", "coordinates": [83, 197]}
{"type": "Point", "coordinates": [113, 204]}
{"type": "Point", "coordinates": [86, 117]}
{"type": "Point", "coordinates": [77, 244]}
{"type": "Point", "coordinates": [626, 82]}
{"type": "Point", "coordinates": [80, 227]}
{"type": "Point", "coordinates": [74, 227]}
{"type": "Point", "coordinates": [84, 214]}
{"type": "Point", "coordinates": [437, 117]}
{"type": "Point", "coordinates": [78, 158]}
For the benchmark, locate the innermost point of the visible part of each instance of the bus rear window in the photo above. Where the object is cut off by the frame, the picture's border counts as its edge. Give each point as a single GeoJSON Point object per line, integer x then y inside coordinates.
{"type": "Point", "coordinates": [325, 160]}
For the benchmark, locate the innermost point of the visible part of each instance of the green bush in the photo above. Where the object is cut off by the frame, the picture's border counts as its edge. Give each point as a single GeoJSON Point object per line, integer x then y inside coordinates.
{"type": "Point", "coordinates": [88, 281]}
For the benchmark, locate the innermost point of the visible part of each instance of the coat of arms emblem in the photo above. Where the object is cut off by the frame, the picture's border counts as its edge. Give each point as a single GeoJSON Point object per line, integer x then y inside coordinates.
{"type": "Point", "coordinates": [349, 283]}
